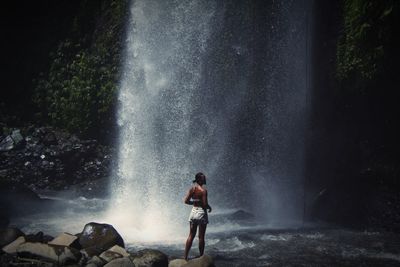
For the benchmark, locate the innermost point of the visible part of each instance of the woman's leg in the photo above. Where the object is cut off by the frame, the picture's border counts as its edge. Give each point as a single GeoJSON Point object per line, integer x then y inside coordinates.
{"type": "Point", "coordinates": [202, 233]}
{"type": "Point", "coordinates": [189, 241]}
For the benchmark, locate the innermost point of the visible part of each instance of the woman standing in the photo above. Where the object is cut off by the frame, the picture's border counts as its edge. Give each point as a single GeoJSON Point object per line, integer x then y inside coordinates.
{"type": "Point", "coordinates": [197, 196]}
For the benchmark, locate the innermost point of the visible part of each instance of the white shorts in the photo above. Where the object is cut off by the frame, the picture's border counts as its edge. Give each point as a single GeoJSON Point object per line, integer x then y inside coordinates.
{"type": "Point", "coordinates": [198, 216]}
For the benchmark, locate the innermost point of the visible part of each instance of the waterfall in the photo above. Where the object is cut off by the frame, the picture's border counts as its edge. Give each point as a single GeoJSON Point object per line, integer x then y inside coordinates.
{"type": "Point", "coordinates": [211, 86]}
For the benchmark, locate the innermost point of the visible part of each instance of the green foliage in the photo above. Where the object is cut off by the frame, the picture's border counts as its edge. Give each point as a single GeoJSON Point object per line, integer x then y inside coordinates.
{"type": "Point", "coordinates": [366, 32]}
{"type": "Point", "coordinates": [79, 90]}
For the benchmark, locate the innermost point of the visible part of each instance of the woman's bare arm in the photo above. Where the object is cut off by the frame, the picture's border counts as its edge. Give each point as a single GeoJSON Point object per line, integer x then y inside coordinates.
{"type": "Point", "coordinates": [187, 197]}
{"type": "Point", "coordinates": [205, 201]}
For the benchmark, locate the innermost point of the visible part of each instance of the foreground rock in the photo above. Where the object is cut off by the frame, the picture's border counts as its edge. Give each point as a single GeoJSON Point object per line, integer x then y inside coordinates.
{"type": "Point", "coordinates": [8, 235]}
{"type": "Point", "coordinates": [96, 246]}
{"type": "Point", "coordinates": [149, 258]}
{"type": "Point", "coordinates": [58, 254]}
{"type": "Point", "coordinates": [13, 246]}
{"type": "Point", "coordinates": [177, 263]}
{"type": "Point", "coordinates": [66, 240]}
{"type": "Point", "coordinates": [203, 261]}
{"type": "Point", "coordinates": [122, 262]}
{"type": "Point", "coordinates": [97, 238]}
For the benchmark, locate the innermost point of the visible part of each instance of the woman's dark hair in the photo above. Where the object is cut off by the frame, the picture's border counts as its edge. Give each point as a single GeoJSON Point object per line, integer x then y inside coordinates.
{"type": "Point", "coordinates": [198, 176]}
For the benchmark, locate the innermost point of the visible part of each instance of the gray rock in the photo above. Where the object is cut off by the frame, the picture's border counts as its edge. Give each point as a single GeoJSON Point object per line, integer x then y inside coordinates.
{"type": "Point", "coordinates": [96, 238]}
{"type": "Point", "coordinates": [177, 263]}
{"type": "Point", "coordinates": [17, 137]}
{"type": "Point", "coordinates": [110, 255]}
{"type": "Point", "coordinates": [7, 144]}
{"type": "Point", "coordinates": [65, 239]}
{"type": "Point", "coordinates": [95, 261]}
{"type": "Point", "coordinates": [58, 254]}
{"type": "Point", "coordinates": [50, 139]}
{"type": "Point", "coordinates": [121, 262]}
{"type": "Point", "coordinates": [8, 235]}
{"type": "Point", "coordinates": [149, 258]}
{"type": "Point", "coordinates": [13, 246]}
{"type": "Point", "coordinates": [14, 140]}
{"type": "Point", "coordinates": [114, 253]}
{"type": "Point", "coordinates": [203, 261]}
{"type": "Point", "coordinates": [119, 250]}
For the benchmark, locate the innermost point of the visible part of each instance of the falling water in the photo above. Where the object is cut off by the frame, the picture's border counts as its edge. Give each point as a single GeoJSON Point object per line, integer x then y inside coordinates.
{"type": "Point", "coordinates": [211, 86]}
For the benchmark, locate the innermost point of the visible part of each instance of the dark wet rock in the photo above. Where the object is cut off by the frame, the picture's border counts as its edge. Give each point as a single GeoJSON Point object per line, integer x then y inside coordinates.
{"type": "Point", "coordinates": [8, 235]}
{"type": "Point", "coordinates": [149, 257]}
{"type": "Point", "coordinates": [203, 261]}
{"type": "Point", "coordinates": [48, 238]}
{"type": "Point", "coordinates": [59, 254]}
{"type": "Point", "coordinates": [96, 238]}
{"type": "Point", "coordinates": [121, 262]}
{"type": "Point", "coordinates": [38, 237]}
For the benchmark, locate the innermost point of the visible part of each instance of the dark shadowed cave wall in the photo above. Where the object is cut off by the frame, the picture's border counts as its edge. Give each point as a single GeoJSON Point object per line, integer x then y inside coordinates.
{"type": "Point", "coordinates": [353, 163]}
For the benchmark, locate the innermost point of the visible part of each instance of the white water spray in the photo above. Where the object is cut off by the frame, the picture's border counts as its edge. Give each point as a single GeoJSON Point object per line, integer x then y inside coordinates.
{"type": "Point", "coordinates": [211, 86]}
{"type": "Point", "coordinates": [163, 61]}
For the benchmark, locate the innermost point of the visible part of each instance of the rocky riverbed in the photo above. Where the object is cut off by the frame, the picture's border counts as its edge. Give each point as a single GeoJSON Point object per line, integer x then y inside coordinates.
{"type": "Point", "coordinates": [97, 245]}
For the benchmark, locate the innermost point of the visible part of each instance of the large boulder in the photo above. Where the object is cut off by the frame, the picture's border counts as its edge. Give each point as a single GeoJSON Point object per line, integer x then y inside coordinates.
{"type": "Point", "coordinates": [96, 238]}
{"type": "Point", "coordinates": [8, 235]}
{"type": "Point", "coordinates": [149, 258]}
{"type": "Point", "coordinates": [203, 261]}
{"type": "Point", "coordinates": [59, 254]}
